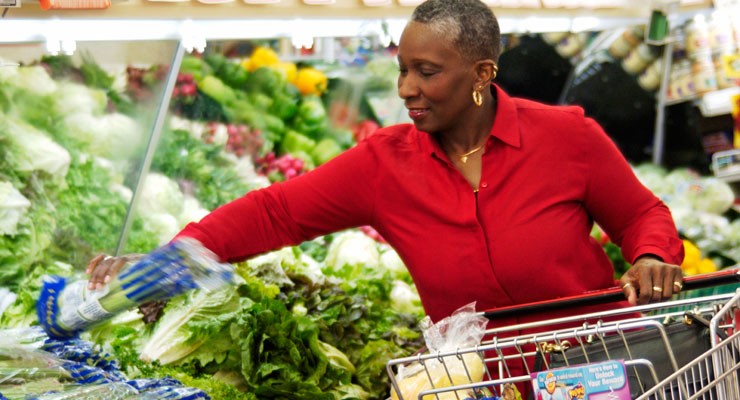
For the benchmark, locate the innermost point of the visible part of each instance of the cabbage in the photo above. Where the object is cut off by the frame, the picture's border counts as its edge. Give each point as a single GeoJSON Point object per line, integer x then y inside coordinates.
{"type": "Point", "coordinates": [160, 195]}
{"type": "Point", "coordinates": [710, 195]}
{"type": "Point", "coordinates": [390, 260]}
{"type": "Point", "coordinates": [192, 211]}
{"type": "Point", "coordinates": [36, 80]}
{"type": "Point", "coordinates": [248, 174]}
{"type": "Point", "coordinates": [196, 129]}
{"type": "Point", "coordinates": [164, 226]}
{"type": "Point", "coordinates": [8, 73]}
{"type": "Point", "coordinates": [653, 177]}
{"type": "Point", "coordinates": [13, 207]}
{"type": "Point", "coordinates": [34, 151]}
{"type": "Point", "coordinates": [115, 136]}
{"type": "Point", "coordinates": [353, 248]}
{"type": "Point", "coordinates": [6, 299]}
{"type": "Point", "coordinates": [708, 231]}
{"type": "Point", "coordinates": [404, 298]}
{"type": "Point", "coordinates": [77, 98]}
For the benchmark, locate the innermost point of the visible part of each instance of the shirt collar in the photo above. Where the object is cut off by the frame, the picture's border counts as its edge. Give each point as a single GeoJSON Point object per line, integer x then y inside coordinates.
{"type": "Point", "coordinates": [505, 126]}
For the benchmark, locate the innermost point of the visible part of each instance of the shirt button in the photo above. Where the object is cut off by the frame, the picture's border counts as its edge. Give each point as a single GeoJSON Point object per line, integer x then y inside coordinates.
{"type": "Point", "coordinates": [484, 185]}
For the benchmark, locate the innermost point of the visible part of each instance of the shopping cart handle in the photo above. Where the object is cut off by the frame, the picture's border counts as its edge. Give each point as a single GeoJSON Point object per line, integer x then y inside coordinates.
{"type": "Point", "coordinates": [610, 295]}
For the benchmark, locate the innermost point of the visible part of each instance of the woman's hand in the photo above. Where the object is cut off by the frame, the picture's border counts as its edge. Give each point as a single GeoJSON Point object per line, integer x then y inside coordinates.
{"type": "Point", "coordinates": [102, 268]}
{"type": "Point", "coordinates": [651, 280]}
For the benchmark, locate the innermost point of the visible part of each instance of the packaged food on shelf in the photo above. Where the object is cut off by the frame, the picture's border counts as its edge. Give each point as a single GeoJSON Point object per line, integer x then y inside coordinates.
{"type": "Point", "coordinates": [639, 59]}
{"type": "Point", "coordinates": [624, 43]}
{"type": "Point", "coordinates": [703, 73]}
{"type": "Point", "coordinates": [650, 78]}
{"type": "Point", "coordinates": [697, 36]}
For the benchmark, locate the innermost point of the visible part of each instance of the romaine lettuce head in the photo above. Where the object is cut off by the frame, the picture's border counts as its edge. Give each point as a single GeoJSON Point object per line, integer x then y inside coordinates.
{"type": "Point", "coordinates": [74, 98]}
{"type": "Point", "coordinates": [35, 79]}
{"type": "Point", "coordinates": [13, 206]}
{"type": "Point", "coordinates": [114, 136]}
{"type": "Point", "coordinates": [353, 248]}
{"type": "Point", "coordinates": [33, 150]}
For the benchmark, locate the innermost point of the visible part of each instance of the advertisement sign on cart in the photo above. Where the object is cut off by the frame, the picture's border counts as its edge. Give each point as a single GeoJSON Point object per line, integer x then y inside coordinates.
{"type": "Point", "coordinates": [597, 381]}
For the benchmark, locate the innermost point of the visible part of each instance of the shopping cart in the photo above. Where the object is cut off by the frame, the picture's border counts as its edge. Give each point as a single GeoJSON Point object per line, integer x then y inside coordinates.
{"type": "Point", "coordinates": [661, 347]}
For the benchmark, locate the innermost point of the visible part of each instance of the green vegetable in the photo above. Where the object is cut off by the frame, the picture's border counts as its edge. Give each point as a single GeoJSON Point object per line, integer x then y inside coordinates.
{"type": "Point", "coordinates": [325, 150]}
{"type": "Point", "coordinates": [260, 101]}
{"type": "Point", "coordinates": [201, 108]}
{"type": "Point", "coordinates": [294, 142]}
{"type": "Point", "coordinates": [284, 106]}
{"type": "Point", "coordinates": [190, 321]}
{"type": "Point", "coordinates": [217, 89]}
{"type": "Point", "coordinates": [60, 66]}
{"type": "Point", "coordinates": [311, 119]}
{"type": "Point", "coordinates": [216, 61]}
{"type": "Point", "coordinates": [266, 80]}
{"type": "Point", "coordinates": [234, 75]}
{"type": "Point", "coordinates": [181, 156]}
{"type": "Point", "coordinates": [193, 65]}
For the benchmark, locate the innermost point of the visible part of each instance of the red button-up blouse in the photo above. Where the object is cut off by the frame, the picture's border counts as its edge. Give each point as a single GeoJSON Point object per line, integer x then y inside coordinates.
{"type": "Point", "coordinates": [547, 174]}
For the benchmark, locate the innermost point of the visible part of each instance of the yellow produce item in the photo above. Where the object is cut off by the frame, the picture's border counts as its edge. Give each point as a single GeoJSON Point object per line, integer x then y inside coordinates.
{"type": "Point", "coordinates": [417, 382]}
{"type": "Point", "coordinates": [706, 265]}
{"type": "Point", "coordinates": [692, 254]}
{"type": "Point", "coordinates": [288, 69]}
{"type": "Point", "coordinates": [247, 64]}
{"type": "Point", "coordinates": [311, 81]}
{"type": "Point", "coordinates": [693, 262]}
{"type": "Point", "coordinates": [263, 57]}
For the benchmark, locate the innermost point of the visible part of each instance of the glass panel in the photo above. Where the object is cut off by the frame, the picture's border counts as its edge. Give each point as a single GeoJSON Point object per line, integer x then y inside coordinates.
{"type": "Point", "coordinates": [74, 129]}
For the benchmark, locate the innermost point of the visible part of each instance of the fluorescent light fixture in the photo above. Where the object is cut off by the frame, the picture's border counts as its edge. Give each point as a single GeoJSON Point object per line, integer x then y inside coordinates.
{"type": "Point", "coordinates": [583, 24]}
{"type": "Point", "coordinates": [410, 2]}
{"type": "Point", "coordinates": [53, 47]}
{"type": "Point", "coordinates": [68, 46]}
{"type": "Point", "coordinates": [540, 24]}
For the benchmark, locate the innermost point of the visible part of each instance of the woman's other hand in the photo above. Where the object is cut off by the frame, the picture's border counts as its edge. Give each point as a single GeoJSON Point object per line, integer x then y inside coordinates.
{"type": "Point", "coordinates": [651, 280]}
{"type": "Point", "coordinates": [102, 268]}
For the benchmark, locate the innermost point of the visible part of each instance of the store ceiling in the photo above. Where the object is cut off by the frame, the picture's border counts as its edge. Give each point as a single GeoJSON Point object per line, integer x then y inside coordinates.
{"type": "Point", "coordinates": [237, 19]}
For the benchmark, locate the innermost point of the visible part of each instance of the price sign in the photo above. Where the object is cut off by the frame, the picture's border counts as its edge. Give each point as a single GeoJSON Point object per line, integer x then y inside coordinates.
{"type": "Point", "coordinates": [10, 3]}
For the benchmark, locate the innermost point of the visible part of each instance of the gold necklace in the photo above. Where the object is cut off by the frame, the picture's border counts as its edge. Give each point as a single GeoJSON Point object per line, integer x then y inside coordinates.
{"type": "Point", "coordinates": [464, 157]}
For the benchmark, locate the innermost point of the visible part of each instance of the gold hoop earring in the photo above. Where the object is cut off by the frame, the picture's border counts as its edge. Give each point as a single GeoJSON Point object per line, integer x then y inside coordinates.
{"type": "Point", "coordinates": [478, 97]}
{"type": "Point", "coordinates": [495, 71]}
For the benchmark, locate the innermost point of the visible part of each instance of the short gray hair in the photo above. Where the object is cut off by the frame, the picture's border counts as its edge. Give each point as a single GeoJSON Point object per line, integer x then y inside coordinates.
{"type": "Point", "coordinates": [471, 24]}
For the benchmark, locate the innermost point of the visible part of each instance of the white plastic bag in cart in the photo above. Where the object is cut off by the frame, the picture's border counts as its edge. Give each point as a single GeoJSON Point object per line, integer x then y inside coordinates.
{"type": "Point", "coordinates": [461, 330]}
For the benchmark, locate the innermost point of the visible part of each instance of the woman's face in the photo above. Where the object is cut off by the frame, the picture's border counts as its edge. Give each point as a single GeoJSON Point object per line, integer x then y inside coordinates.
{"type": "Point", "coordinates": [435, 82]}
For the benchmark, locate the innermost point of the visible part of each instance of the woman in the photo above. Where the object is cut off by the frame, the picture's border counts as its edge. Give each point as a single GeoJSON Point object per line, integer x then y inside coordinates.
{"type": "Point", "coordinates": [486, 198]}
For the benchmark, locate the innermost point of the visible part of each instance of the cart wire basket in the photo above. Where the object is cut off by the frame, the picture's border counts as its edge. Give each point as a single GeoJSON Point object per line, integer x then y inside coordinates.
{"type": "Point", "coordinates": [686, 348]}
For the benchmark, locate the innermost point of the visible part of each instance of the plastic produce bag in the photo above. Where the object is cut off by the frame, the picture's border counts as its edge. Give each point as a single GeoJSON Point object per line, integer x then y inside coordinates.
{"type": "Point", "coordinates": [461, 330]}
{"type": "Point", "coordinates": [66, 307]}
{"type": "Point", "coordinates": [26, 371]}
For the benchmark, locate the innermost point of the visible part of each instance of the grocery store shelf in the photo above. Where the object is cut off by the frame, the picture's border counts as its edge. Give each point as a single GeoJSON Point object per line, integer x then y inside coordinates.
{"type": "Point", "coordinates": [710, 104]}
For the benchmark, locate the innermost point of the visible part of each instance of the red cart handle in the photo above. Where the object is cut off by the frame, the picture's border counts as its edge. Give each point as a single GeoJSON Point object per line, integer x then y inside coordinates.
{"type": "Point", "coordinates": [610, 295]}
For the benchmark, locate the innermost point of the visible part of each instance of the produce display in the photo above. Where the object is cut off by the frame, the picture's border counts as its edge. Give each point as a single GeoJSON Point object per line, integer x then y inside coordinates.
{"type": "Point", "coordinates": [319, 320]}
{"type": "Point", "coordinates": [703, 208]}
{"type": "Point", "coordinates": [314, 321]}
